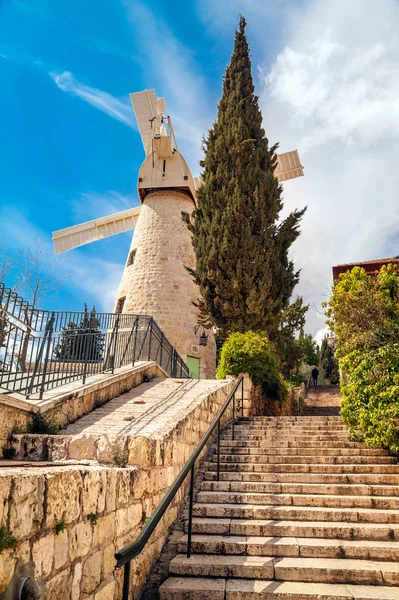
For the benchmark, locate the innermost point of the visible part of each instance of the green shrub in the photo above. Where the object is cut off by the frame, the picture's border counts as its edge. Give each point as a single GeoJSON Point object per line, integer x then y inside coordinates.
{"type": "Point", "coordinates": [93, 517]}
{"type": "Point", "coordinates": [370, 396]}
{"type": "Point", "coordinates": [252, 353]}
{"type": "Point", "coordinates": [363, 312]}
{"type": "Point", "coordinates": [7, 540]}
{"type": "Point", "coordinates": [42, 424]}
{"type": "Point", "coordinates": [8, 453]}
{"type": "Point", "coordinates": [59, 524]}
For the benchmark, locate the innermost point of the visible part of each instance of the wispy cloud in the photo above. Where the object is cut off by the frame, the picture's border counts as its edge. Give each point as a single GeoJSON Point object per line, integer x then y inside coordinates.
{"type": "Point", "coordinates": [333, 93]}
{"type": "Point", "coordinates": [92, 205]}
{"type": "Point", "coordinates": [120, 110]}
{"type": "Point", "coordinates": [96, 278]}
{"type": "Point", "coordinates": [104, 46]}
{"type": "Point", "coordinates": [174, 72]}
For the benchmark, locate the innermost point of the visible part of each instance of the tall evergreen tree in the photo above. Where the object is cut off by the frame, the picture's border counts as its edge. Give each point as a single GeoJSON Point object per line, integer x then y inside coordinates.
{"type": "Point", "coordinates": [81, 341]}
{"type": "Point", "coordinates": [242, 269]}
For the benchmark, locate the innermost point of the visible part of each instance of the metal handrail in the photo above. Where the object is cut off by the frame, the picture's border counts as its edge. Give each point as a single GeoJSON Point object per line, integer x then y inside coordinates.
{"type": "Point", "coordinates": [126, 554]}
{"type": "Point", "coordinates": [42, 350]}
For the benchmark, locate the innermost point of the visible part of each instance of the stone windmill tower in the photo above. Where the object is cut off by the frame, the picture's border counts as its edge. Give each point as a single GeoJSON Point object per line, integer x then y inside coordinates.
{"type": "Point", "coordinates": [155, 280]}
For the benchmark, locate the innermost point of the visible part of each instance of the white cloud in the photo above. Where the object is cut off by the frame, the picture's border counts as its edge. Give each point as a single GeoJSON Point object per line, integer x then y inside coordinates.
{"type": "Point", "coordinates": [121, 110]}
{"type": "Point", "coordinates": [98, 279]}
{"type": "Point", "coordinates": [173, 71]}
{"type": "Point", "coordinates": [92, 205]}
{"type": "Point", "coordinates": [333, 92]}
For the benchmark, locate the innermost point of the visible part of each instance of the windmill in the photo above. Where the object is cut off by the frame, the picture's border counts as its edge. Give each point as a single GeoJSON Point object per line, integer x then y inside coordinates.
{"type": "Point", "coordinates": [155, 281]}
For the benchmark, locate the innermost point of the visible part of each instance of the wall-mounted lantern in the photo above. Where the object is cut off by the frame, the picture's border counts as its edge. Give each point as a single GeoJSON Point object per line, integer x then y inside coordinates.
{"type": "Point", "coordinates": [203, 339]}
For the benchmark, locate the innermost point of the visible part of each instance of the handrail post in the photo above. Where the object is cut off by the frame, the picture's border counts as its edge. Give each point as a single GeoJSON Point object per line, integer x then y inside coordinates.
{"type": "Point", "coordinates": [86, 339]}
{"type": "Point", "coordinates": [136, 326]}
{"type": "Point", "coordinates": [234, 413]}
{"type": "Point", "coordinates": [49, 337]}
{"type": "Point", "coordinates": [126, 581]}
{"type": "Point", "coordinates": [242, 396]}
{"type": "Point", "coordinates": [218, 455]}
{"type": "Point", "coordinates": [116, 341]}
{"type": "Point", "coordinates": [190, 512]}
{"type": "Point", "coordinates": [174, 360]}
{"type": "Point", "coordinates": [160, 358]}
{"type": "Point", "coordinates": [149, 344]}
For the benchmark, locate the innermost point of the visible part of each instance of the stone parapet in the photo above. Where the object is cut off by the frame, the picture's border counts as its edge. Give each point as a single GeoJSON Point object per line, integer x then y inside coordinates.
{"type": "Point", "coordinates": [68, 403]}
{"type": "Point", "coordinates": [69, 520]}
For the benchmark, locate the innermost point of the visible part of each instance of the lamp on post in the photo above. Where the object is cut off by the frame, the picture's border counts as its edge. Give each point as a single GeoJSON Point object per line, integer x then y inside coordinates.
{"type": "Point", "coordinates": [203, 339]}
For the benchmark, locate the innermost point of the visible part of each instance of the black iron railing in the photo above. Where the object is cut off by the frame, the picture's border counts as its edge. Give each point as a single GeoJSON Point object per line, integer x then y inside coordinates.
{"type": "Point", "coordinates": [41, 350]}
{"type": "Point", "coordinates": [128, 553]}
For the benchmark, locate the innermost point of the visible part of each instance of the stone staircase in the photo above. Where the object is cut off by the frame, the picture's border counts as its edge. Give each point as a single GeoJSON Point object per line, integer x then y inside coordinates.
{"type": "Point", "coordinates": [300, 512]}
{"type": "Point", "coordinates": [322, 400]}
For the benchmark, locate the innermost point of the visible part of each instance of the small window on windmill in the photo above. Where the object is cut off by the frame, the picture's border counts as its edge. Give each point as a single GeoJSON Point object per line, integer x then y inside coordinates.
{"type": "Point", "coordinates": [185, 217]}
{"type": "Point", "coordinates": [120, 304]}
{"type": "Point", "coordinates": [131, 259]}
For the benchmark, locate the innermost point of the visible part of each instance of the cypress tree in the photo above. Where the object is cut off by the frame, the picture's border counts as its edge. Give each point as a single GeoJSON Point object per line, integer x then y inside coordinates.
{"type": "Point", "coordinates": [242, 265]}
{"type": "Point", "coordinates": [83, 341]}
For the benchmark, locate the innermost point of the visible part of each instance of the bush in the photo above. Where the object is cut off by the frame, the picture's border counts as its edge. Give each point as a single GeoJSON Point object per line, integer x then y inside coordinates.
{"type": "Point", "coordinates": [252, 353]}
{"type": "Point", "coordinates": [363, 312]}
{"type": "Point", "coordinates": [42, 424]}
{"type": "Point", "coordinates": [370, 404]}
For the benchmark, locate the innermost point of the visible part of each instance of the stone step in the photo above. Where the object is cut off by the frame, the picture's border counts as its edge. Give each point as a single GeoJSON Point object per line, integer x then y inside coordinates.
{"type": "Point", "coordinates": [291, 546]}
{"type": "Point", "coordinates": [296, 420]}
{"type": "Point", "coordinates": [338, 530]}
{"type": "Point", "coordinates": [235, 445]}
{"type": "Point", "coordinates": [312, 570]}
{"type": "Point", "coordinates": [305, 488]}
{"type": "Point", "coordinates": [344, 437]}
{"type": "Point", "coordinates": [199, 588]}
{"type": "Point", "coordinates": [317, 500]}
{"type": "Point", "coordinates": [304, 458]}
{"type": "Point", "coordinates": [264, 429]}
{"type": "Point", "coordinates": [296, 513]}
{"type": "Point", "coordinates": [303, 450]}
{"type": "Point", "coordinates": [269, 474]}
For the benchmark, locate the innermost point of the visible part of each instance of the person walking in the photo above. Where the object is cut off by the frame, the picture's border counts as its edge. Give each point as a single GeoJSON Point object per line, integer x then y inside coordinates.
{"type": "Point", "coordinates": [315, 374]}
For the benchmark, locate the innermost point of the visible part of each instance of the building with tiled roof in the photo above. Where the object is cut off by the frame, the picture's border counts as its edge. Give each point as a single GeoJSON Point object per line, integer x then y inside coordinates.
{"type": "Point", "coordinates": [370, 266]}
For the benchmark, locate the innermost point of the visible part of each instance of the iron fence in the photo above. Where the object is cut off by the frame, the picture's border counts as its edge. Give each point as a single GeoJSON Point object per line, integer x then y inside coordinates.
{"type": "Point", "coordinates": [41, 350]}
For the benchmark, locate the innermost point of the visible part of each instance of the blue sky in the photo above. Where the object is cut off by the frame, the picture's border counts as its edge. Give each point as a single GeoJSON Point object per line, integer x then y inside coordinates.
{"type": "Point", "coordinates": [326, 76]}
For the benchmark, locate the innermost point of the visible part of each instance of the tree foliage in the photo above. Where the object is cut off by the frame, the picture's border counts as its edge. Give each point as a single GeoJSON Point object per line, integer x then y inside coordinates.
{"type": "Point", "coordinates": [252, 353]}
{"type": "Point", "coordinates": [363, 312]}
{"type": "Point", "coordinates": [81, 341]}
{"type": "Point", "coordinates": [329, 362]}
{"type": "Point", "coordinates": [308, 348]}
{"type": "Point", "coordinates": [242, 266]}
{"type": "Point", "coordinates": [292, 320]}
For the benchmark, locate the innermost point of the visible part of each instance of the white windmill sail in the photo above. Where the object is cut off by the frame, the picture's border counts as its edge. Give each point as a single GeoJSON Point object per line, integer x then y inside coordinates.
{"type": "Point", "coordinates": [288, 166]}
{"type": "Point", "coordinates": [163, 167]}
{"type": "Point", "coordinates": [145, 109]}
{"type": "Point", "coordinates": [97, 229]}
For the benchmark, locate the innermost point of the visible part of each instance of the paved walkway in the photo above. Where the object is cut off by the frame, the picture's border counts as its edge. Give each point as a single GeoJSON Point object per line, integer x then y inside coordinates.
{"type": "Point", "coordinates": [322, 400]}
{"type": "Point", "coordinates": [145, 408]}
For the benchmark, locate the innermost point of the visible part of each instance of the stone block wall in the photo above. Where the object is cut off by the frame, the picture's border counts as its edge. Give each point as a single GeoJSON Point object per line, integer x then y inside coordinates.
{"type": "Point", "coordinates": [256, 404]}
{"type": "Point", "coordinates": [69, 521]}
{"type": "Point", "coordinates": [68, 406]}
{"type": "Point", "coordinates": [158, 283]}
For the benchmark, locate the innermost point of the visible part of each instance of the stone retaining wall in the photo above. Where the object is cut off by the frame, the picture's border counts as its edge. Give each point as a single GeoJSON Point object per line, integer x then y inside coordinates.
{"type": "Point", "coordinates": [257, 404]}
{"type": "Point", "coordinates": [67, 405]}
{"type": "Point", "coordinates": [99, 509]}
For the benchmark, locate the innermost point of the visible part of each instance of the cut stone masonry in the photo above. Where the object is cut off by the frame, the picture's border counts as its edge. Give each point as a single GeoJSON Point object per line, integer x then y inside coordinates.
{"type": "Point", "coordinates": [300, 513]}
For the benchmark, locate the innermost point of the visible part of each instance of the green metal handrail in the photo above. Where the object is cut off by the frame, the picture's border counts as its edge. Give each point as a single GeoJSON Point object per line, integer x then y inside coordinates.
{"type": "Point", "coordinates": [126, 554]}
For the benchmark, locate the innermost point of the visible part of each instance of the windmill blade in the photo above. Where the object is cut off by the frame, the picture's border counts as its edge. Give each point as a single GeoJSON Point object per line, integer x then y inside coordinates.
{"type": "Point", "coordinates": [91, 231]}
{"type": "Point", "coordinates": [145, 109]}
{"type": "Point", "coordinates": [288, 166]}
